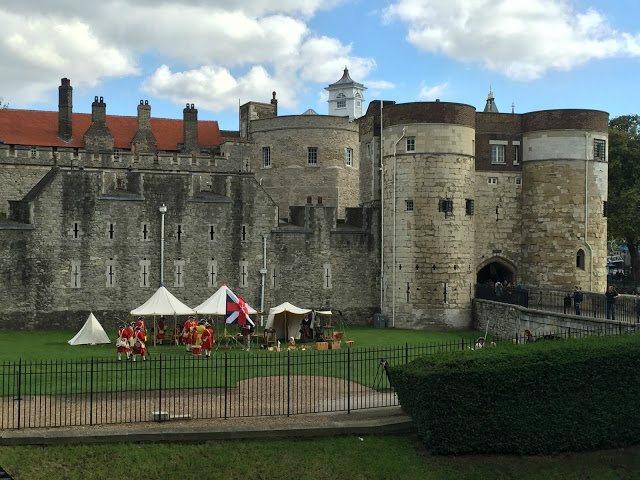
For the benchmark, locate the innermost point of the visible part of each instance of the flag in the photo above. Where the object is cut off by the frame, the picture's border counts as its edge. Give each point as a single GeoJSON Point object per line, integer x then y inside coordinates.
{"type": "Point", "coordinates": [237, 311]}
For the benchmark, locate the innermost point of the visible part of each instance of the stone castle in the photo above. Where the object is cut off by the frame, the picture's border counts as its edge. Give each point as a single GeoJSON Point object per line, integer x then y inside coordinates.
{"type": "Point", "coordinates": [401, 210]}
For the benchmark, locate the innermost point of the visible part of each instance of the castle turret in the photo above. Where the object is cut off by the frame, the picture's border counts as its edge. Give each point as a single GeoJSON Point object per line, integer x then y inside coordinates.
{"type": "Point", "coordinates": [345, 97]}
{"type": "Point", "coordinates": [564, 185]}
{"type": "Point", "coordinates": [98, 137]}
{"type": "Point", "coordinates": [144, 140]}
{"type": "Point", "coordinates": [65, 110]}
{"type": "Point", "coordinates": [190, 129]}
{"type": "Point", "coordinates": [490, 107]}
{"type": "Point", "coordinates": [429, 234]}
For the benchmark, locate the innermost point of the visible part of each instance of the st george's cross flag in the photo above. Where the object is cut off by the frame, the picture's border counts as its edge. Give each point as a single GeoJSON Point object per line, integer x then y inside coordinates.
{"type": "Point", "coordinates": [237, 311]}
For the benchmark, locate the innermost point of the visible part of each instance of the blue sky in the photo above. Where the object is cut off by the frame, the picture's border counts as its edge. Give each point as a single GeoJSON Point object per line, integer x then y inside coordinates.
{"type": "Point", "coordinates": [536, 54]}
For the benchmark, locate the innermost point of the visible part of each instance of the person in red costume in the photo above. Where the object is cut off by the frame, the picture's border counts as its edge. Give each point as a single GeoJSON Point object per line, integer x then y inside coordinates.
{"type": "Point", "coordinates": [186, 332]}
{"type": "Point", "coordinates": [161, 328]}
{"type": "Point", "coordinates": [139, 348]}
{"type": "Point", "coordinates": [143, 327]}
{"type": "Point", "coordinates": [122, 342]}
{"type": "Point", "coordinates": [207, 339]}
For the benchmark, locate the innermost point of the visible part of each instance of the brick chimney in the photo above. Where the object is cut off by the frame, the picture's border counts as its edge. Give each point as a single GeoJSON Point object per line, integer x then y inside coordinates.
{"type": "Point", "coordinates": [98, 137]}
{"type": "Point", "coordinates": [144, 140]}
{"type": "Point", "coordinates": [274, 102]}
{"type": "Point", "coordinates": [65, 110]}
{"type": "Point", "coordinates": [190, 129]}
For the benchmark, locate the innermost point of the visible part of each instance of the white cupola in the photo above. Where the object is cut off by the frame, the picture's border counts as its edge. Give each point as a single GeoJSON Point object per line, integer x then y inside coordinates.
{"type": "Point", "coordinates": [345, 97]}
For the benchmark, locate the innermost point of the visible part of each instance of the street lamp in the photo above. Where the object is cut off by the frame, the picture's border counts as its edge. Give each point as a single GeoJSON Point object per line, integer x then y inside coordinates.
{"type": "Point", "coordinates": [163, 210]}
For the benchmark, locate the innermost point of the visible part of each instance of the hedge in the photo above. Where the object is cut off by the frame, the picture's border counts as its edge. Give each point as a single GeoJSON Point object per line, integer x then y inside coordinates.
{"type": "Point", "coordinates": [542, 398]}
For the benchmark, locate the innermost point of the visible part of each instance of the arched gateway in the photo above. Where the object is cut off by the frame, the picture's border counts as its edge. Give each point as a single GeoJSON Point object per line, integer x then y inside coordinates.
{"type": "Point", "coordinates": [494, 270]}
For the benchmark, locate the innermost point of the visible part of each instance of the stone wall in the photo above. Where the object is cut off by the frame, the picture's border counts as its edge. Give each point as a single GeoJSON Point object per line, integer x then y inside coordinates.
{"type": "Point", "coordinates": [93, 247]}
{"type": "Point", "coordinates": [509, 321]}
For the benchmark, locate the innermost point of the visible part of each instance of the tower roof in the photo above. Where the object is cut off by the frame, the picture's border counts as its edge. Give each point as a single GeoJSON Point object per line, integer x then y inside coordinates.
{"type": "Point", "coordinates": [346, 81]}
{"type": "Point", "coordinates": [490, 107]}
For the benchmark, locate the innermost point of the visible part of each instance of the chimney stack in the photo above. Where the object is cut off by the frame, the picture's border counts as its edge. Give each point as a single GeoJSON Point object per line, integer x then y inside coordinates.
{"type": "Point", "coordinates": [98, 137]}
{"type": "Point", "coordinates": [144, 140]}
{"type": "Point", "coordinates": [190, 129]}
{"type": "Point", "coordinates": [65, 110]}
{"type": "Point", "coordinates": [274, 102]}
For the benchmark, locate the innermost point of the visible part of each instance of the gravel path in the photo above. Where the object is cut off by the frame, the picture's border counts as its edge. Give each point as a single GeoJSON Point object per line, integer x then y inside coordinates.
{"type": "Point", "coordinates": [255, 397]}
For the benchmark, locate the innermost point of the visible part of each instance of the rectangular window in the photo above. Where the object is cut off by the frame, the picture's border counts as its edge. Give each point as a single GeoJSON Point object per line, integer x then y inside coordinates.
{"type": "Point", "coordinates": [599, 149]}
{"type": "Point", "coordinates": [445, 205]}
{"type": "Point", "coordinates": [469, 207]}
{"type": "Point", "coordinates": [516, 154]}
{"type": "Point", "coordinates": [518, 180]}
{"type": "Point", "coordinates": [348, 157]}
{"type": "Point", "coordinates": [266, 157]}
{"type": "Point", "coordinates": [34, 152]}
{"type": "Point", "coordinates": [409, 204]}
{"type": "Point", "coordinates": [312, 156]}
{"type": "Point", "coordinates": [341, 104]}
{"type": "Point", "coordinates": [497, 153]}
{"type": "Point", "coordinates": [411, 144]}
{"type": "Point", "coordinates": [492, 180]}
{"type": "Point", "coordinates": [116, 153]}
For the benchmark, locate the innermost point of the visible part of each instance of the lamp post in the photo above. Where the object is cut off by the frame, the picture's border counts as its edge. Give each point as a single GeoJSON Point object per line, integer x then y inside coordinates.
{"type": "Point", "coordinates": [163, 210]}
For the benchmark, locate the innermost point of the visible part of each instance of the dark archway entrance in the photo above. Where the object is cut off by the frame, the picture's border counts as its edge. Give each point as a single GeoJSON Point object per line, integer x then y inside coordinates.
{"type": "Point", "coordinates": [495, 272]}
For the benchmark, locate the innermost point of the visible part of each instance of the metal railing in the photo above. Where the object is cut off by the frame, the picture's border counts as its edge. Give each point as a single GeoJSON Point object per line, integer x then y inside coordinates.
{"type": "Point", "coordinates": [103, 391]}
{"type": "Point", "coordinates": [559, 301]}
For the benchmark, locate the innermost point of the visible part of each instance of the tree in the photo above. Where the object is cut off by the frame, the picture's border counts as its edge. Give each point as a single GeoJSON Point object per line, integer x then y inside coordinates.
{"type": "Point", "coordinates": [2, 104]}
{"type": "Point", "coordinates": [624, 186]}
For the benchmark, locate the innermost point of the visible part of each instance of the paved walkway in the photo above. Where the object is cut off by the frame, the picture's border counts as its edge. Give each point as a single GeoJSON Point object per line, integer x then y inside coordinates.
{"type": "Point", "coordinates": [384, 420]}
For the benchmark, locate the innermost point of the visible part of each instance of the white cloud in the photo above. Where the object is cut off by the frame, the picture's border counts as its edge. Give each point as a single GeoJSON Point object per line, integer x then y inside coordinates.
{"type": "Point", "coordinates": [522, 40]}
{"type": "Point", "coordinates": [431, 93]}
{"type": "Point", "coordinates": [380, 85]}
{"type": "Point", "coordinates": [35, 52]}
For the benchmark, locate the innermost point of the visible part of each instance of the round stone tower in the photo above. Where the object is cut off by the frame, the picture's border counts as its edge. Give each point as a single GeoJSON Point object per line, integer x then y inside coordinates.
{"type": "Point", "coordinates": [564, 187]}
{"type": "Point", "coordinates": [428, 231]}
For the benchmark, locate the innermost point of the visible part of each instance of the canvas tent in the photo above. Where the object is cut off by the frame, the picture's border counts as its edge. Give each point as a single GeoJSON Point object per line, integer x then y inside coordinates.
{"type": "Point", "coordinates": [90, 334]}
{"type": "Point", "coordinates": [285, 319]}
{"type": "Point", "coordinates": [162, 303]}
{"type": "Point", "coordinates": [216, 304]}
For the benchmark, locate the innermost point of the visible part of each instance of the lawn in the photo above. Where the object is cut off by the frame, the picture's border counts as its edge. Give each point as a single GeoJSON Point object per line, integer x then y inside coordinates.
{"type": "Point", "coordinates": [52, 345]}
{"type": "Point", "coordinates": [357, 458]}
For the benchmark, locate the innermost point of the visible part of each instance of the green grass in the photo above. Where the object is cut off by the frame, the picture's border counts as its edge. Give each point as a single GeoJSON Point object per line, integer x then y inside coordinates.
{"type": "Point", "coordinates": [48, 365]}
{"type": "Point", "coordinates": [357, 458]}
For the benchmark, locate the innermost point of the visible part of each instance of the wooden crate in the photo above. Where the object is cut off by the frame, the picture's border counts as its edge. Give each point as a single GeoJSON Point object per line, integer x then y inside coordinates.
{"type": "Point", "coordinates": [322, 346]}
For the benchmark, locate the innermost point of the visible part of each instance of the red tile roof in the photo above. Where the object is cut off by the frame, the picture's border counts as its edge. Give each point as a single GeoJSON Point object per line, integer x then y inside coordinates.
{"type": "Point", "coordinates": [40, 128]}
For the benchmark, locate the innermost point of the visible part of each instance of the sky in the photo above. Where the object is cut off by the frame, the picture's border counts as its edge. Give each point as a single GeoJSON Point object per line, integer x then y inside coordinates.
{"type": "Point", "coordinates": [217, 54]}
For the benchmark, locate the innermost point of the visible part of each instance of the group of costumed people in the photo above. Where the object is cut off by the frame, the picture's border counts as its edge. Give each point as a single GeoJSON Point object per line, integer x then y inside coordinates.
{"type": "Point", "coordinates": [131, 340]}
{"type": "Point", "coordinates": [197, 337]}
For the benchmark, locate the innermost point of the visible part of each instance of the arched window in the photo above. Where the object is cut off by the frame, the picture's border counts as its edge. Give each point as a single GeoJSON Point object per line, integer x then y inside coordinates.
{"type": "Point", "coordinates": [580, 259]}
{"type": "Point", "coordinates": [341, 95]}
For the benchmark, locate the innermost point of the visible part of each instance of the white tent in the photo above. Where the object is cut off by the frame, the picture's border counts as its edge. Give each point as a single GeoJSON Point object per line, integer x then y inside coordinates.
{"type": "Point", "coordinates": [90, 334]}
{"type": "Point", "coordinates": [216, 304]}
{"type": "Point", "coordinates": [285, 319]}
{"type": "Point", "coordinates": [163, 303]}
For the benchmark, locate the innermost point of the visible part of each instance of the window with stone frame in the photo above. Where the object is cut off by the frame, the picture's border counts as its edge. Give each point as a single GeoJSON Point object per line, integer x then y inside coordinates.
{"type": "Point", "coordinates": [580, 259]}
{"type": "Point", "coordinates": [409, 205]}
{"type": "Point", "coordinates": [145, 269]}
{"type": "Point", "coordinates": [312, 156]}
{"type": "Point", "coordinates": [497, 153]}
{"type": "Point", "coordinates": [469, 207]}
{"type": "Point", "coordinates": [34, 152]}
{"type": "Point", "coordinates": [266, 157]}
{"type": "Point", "coordinates": [599, 149]}
{"type": "Point", "coordinates": [411, 144]}
{"type": "Point", "coordinates": [110, 273]}
{"type": "Point", "coordinates": [492, 180]}
{"type": "Point", "coordinates": [348, 157]}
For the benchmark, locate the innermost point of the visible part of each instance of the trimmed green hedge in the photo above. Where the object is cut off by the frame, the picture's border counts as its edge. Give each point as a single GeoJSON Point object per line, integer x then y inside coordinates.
{"type": "Point", "coordinates": [542, 398]}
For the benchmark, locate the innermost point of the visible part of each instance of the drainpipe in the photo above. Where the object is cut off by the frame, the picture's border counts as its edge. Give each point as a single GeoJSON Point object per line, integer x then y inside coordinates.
{"type": "Point", "coordinates": [163, 210]}
{"type": "Point", "coordinates": [586, 208]}
{"type": "Point", "coordinates": [381, 215]}
{"type": "Point", "coordinates": [263, 273]}
{"type": "Point", "coordinates": [395, 146]}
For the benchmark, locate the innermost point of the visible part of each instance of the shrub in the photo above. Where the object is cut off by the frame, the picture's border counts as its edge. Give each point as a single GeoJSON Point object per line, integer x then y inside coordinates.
{"type": "Point", "coordinates": [541, 398]}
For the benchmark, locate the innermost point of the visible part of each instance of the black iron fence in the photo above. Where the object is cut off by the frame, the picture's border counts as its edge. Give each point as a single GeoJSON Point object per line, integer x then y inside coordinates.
{"type": "Point", "coordinates": [226, 385]}
{"type": "Point", "coordinates": [558, 301]}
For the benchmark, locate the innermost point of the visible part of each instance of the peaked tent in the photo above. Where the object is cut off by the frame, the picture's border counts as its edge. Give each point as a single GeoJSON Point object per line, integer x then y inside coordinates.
{"type": "Point", "coordinates": [91, 333]}
{"type": "Point", "coordinates": [216, 304]}
{"type": "Point", "coordinates": [163, 303]}
{"type": "Point", "coordinates": [285, 319]}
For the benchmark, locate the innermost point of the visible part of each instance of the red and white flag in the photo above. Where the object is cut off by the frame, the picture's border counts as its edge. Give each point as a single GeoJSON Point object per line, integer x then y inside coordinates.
{"type": "Point", "coordinates": [237, 311]}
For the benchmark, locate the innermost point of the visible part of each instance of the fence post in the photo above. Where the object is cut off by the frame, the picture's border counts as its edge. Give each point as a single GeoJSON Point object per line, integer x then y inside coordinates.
{"type": "Point", "coordinates": [91, 395]}
{"type": "Point", "coordinates": [288, 382]}
{"type": "Point", "coordinates": [160, 387]}
{"type": "Point", "coordinates": [348, 380]}
{"type": "Point", "coordinates": [19, 398]}
{"type": "Point", "coordinates": [406, 353]}
{"type": "Point", "coordinates": [225, 384]}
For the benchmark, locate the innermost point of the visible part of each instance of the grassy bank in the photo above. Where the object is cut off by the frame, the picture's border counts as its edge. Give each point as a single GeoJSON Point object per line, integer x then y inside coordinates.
{"type": "Point", "coordinates": [357, 458]}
